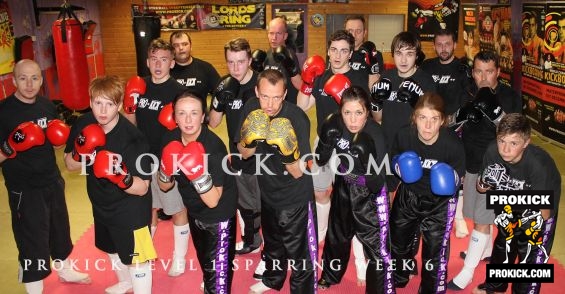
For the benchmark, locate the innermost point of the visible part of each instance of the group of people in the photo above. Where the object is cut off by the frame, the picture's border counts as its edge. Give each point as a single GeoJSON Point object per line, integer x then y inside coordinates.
{"type": "Point", "coordinates": [385, 172]}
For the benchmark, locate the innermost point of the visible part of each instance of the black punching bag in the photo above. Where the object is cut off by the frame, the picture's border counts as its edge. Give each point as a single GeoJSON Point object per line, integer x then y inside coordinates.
{"type": "Point", "coordinates": [146, 28]}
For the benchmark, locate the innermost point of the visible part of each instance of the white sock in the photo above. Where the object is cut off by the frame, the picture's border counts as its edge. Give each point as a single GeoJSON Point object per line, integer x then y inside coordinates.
{"type": "Point", "coordinates": [360, 263]}
{"type": "Point", "coordinates": [153, 230]}
{"type": "Point", "coordinates": [477, 244]}
{"type": "Point", "coordinates": [68, 274]}
{"type": "Point", "coordinates": [141, 278]}
{"type": "Point", "coordinates": [181, 235]}
{"type": "Point", "coordinates": [323, 214]}
{"type": "Point", "coordinates": [34, 287]}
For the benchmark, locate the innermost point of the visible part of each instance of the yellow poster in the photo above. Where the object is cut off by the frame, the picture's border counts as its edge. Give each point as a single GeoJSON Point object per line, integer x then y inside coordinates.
{"type": "Point", "coordinates": [6, 40]}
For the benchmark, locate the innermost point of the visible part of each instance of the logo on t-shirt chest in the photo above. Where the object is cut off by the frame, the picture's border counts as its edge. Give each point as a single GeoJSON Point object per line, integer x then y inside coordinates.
{"type": "Point", "coordinates": [188, 82]}
{"type": "Point", "coordinates": [443, 79]}
{"type": "Point", "coordinates": [152, 105]}
{"type": "Point", "coordinates": [236, 104]}
{"type": "Point", "coordinates": [42, 122]}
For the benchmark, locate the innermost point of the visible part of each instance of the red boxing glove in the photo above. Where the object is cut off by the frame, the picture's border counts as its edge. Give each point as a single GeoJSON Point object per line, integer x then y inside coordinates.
{"type": "Point", "coordinates": [90, 137]}
{"type": "Point", "coordinates": [170, 157]}
{"type": "Point", "coordinates": [57, 132]}
{"type": "Point", "coordinates": [313, 67]}
{"type": "Point", "coordinates": [109, 166]}
{"type": "Point", "coordinates": [166, 117]}
{"type": "Point", "coordinates": [193, 167]}
{"type": "Point", "coordinates": [22, 138]}
{"type": "Point", "coordinates": [134, 87]}
{"type": "Point", "coordinates": [336, 85]}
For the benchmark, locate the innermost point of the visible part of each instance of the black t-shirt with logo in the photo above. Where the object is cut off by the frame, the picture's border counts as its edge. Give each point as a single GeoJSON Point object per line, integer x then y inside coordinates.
{"type": "Point", "coordinates": [216, 152]}
{"type": "Point", "coordinates": [396, 114]}
{"type": "Point", "coordinates": [451, 79]}
{"type": "Point", "coordinates": [536, 170]}
{"type": "Point", "coordinates": [448, 149]}
{"type": "Point", "coordinates": [148, 107]}
{"type": "Point", "coordinates": [37, 166]}
{"type": "Point", "coordinates": [199, 76]}
{"type": "Point", "coordinates": [111, 205]}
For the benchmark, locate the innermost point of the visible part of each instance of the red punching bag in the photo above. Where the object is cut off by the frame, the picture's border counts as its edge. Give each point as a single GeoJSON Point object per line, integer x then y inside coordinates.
{"type": "Point", "coordinates": [72, 67]}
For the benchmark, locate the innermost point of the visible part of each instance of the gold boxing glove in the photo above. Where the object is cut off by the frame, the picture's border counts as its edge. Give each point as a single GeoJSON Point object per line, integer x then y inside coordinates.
{"type": "Point", "coordinates": [282, 136]}
{"type": "Point", "coordinates": [254, 128]}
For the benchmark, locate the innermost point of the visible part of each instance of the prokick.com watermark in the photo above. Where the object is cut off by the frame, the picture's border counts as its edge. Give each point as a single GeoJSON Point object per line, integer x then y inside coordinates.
{"type": "Point", "coordinates": [340, 160]}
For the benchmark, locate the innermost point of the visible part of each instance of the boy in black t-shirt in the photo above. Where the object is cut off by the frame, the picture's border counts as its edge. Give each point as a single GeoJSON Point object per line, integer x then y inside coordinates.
{"type": "Point", "coordinates": [229, 98]}
{"type": "Point", "coordinates": [161, 90]}
{"type": "Point", "coordinates": [36, 190]}
{"type": "Point", "coordinates": [194, 73]}
{"type": "Point", "coordinates": [111, 150]}
{"type": "Point", "coordinates": [278, 133]}
{"type": "Point", "coordinates": [512, 163]}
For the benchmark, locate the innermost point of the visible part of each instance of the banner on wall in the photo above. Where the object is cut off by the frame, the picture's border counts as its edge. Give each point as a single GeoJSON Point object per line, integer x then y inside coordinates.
{"type": "Point", "coordinates": [533, 84]}
{"type": "Point", "coordinates": [502, 35]}
{"type": "Point", "coordinates": [470, 32]}
{"type": "Point", "coordinates": [427, 16]}
{"type": "Point", "coordinates": [173, 17]}
{"type": "Point", "coordinates": [222, 17]}
{"type": "Point", "coordinates": [553, 53]}
{"type": "Point", "coordinates": [6, 40]}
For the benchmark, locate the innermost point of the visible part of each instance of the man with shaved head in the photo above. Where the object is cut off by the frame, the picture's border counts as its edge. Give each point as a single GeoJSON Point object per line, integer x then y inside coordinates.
{"type": "Point", "coordinates": [36, 190]}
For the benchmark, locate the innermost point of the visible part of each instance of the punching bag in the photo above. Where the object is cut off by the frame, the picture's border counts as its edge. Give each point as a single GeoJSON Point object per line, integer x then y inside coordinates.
{"type": "Point", "coordinates": [145, 29]}
{"type": "Point", "coordinates": [72, 67]}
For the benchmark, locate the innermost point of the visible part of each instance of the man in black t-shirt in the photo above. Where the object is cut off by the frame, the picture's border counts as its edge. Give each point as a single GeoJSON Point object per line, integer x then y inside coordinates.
{"type": "Point", "coordinates": [451, 77]}
{"type": "Point", "coordinates": [478, 131]}
{"type": "Point", "coordinates": [194, 73]}
{"type": "Point", "coordinates": [36, 190]}
{"type": "Point", "coordinates": [117, 184]}
{"type": "Point", "coordinates": [365, 57]}
{"type": "Point", "coordinates": [153, 119]}
{"type": "Point", "coordinates": [278, 133]}
{"type": "Point", "coordinates": [229, 98]}
{"type": "Point", "coordinates": [526, 235]}
{"type": "Point", "coordinates": [283, 58]}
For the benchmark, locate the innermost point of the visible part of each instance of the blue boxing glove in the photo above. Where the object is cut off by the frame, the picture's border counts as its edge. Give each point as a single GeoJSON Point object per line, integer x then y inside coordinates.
{"type": "Point", "coordinates": [444, 180]}
{"type": "Point", "coordinates": [408, 167]}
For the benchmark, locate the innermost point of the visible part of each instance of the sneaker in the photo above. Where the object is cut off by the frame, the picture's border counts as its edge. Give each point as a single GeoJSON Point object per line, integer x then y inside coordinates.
{"type": "Point", "coordinates": [120, 288]}
{"type": "Point", "coordinates": [258, 274]}
{"type": "Point", "coordinates": [463, 255]}
{"type": "Point", "coordinates": [177, 267]}
{"type": "Point", "coordinates": [68, 275]}
{"type": "Point", "coordinates": [259, 288]}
